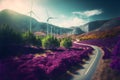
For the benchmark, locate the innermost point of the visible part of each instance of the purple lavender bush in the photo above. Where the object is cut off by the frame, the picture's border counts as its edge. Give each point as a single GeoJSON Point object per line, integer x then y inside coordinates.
{"type": "Point", "coordinates": [115, 64]}
{"type": "Point", "coordinates": [107, 44]}
{"type": "Point", "coordinates": [116, 50]}
{"type": "Point", "coordinates": [51, 66]}
{"type": "Point", "coordinates": [107, 53]}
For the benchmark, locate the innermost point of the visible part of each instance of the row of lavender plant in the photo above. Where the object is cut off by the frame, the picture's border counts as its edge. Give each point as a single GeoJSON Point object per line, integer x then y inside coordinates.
{"type": "Point", "coordinates": [30, 67]}
{"type": "Point", "coordinates": [111, 48]}
{"type": "Point", "coordinates": [115, 64]}
{"type": "Point", "coordinates": [106, 44]}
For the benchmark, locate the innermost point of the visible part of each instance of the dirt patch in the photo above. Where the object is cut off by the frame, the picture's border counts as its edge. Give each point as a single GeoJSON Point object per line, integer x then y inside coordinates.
{"type": "Point", "coordinates": [104, 72]}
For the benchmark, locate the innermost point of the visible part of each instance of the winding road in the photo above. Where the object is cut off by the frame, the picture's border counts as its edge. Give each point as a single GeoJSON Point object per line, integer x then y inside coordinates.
{"type": "Point", "coordinates": [91, 66]}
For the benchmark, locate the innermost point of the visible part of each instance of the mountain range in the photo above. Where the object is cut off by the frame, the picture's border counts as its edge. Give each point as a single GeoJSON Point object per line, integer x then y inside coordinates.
{"type": "Point", "coordinates": [101, 25]}
{"type": "Point", "coordinates": [21, 23]}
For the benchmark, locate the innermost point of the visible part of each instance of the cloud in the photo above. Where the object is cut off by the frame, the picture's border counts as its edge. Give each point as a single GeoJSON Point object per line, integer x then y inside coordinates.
{"type": "Point", "coordinates": [89, 13]}
{"type": "Point", "coordinates": [93, 12]}
{"type": "Point", "coordinates": [68, 22]}
{"type": "Point", "coordinates": [23, 6]}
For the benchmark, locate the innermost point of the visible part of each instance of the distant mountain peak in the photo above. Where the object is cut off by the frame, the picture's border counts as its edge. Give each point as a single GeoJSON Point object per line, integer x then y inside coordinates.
{"type": "Point", "coordinates": [8, 11]}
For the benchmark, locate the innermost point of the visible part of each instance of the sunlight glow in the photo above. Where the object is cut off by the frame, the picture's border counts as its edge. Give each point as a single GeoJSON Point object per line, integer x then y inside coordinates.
{"type": "Point", "coordinates": [24, 7]}
{"type": "Point", "coordinates": [16, 5]}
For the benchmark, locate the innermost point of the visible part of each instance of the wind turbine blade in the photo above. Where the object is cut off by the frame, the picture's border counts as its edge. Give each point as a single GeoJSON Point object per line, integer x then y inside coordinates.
{"type": "Point", "coordinates": [35, 15]}
{"type": "Point", "coordinates": [31, 5]}
{"type": "Point", "coordinates": [47, 12]}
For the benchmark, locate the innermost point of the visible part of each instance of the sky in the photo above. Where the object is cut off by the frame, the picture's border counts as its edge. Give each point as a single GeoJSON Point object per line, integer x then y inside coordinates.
{"type": "Point", "coordinates": [66, 13]}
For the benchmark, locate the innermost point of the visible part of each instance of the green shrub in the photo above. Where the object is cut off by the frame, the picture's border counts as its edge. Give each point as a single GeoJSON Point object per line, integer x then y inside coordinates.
{"type": "Point", "coordinates": [9, 38]}
{"type": "Point", "coordinates": [29, 38]}
{"type": "Point", "coordinates": [50, 42]}
{"type": "Point", "coordinates": [66, 43]}
{"type": "Point", "coordinates": [38, 41]}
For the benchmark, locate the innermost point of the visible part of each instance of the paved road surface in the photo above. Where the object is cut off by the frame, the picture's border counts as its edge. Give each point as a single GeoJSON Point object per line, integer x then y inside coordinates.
{"type": "Point", "coordinates": [90, 67]}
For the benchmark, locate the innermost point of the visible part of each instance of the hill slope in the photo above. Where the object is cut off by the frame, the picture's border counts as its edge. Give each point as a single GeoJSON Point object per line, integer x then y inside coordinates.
{"type": "Point", "coordinates": [112, 23]}
{"type": "Point", "coordinates": [21, 22]}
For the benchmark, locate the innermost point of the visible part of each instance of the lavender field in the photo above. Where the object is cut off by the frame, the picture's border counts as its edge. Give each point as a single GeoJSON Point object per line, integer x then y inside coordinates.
{"type": "Point", "coordinates": [106, 44]}
{"type": "Point", "coordinates": [59, 40]}
{"type": "Point", "coordinates": [111, 48]}
{"type": "Point", "coordinates": [115, 64]}
{"type": "Point", "coordinates": [43, 66]}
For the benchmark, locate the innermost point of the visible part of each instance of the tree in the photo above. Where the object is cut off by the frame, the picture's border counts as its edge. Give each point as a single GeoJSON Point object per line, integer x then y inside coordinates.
{"type": "Point", "coordinates": [38, 41]}
{"type": "Point", "coordinates": [8, 36]}
{"type": "Point", "coordinates": [66, 43]}
{"type": "Point", "coordinates": [9, 39]}
{"type": "Point", "coordinates": [29, 38]}
{"type": "Point", "coordinates": [49, 42]}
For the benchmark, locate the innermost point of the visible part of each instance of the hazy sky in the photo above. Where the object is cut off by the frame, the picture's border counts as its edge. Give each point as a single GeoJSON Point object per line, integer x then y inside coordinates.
{"type": "Point", "coordinates": [68, 12]}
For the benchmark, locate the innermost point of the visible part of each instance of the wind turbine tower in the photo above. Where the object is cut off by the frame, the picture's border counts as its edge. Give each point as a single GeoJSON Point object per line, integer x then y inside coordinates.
{"type": "Point", "coordinates": [48, 19]}
{"type": "Point", "coordinates": [31, 12]}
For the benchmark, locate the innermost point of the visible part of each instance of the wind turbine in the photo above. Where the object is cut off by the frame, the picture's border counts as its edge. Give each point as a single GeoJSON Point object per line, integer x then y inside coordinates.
{"type": "Point", "coordinates": [31, 12]}
{"type": "Point", "coordinates": [48, 19]}
{"type": "Point", "coordinates": [52, 28]}
{"type": "Point", "coordinates": [73, 31]}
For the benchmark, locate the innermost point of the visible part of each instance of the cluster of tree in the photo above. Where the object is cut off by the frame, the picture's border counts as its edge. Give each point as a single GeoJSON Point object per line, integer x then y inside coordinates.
{"type": "Point", "coordinates": [50, 42]}
{"type": "Point", "coordinates": [10, 38]}
{"type": "Point", "coordinates": [47, 42]}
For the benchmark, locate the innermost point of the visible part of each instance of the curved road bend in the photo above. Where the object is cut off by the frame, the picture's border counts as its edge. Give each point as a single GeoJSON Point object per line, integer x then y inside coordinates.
{"type": "Point", "coordinates": [88, 72]}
